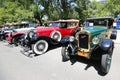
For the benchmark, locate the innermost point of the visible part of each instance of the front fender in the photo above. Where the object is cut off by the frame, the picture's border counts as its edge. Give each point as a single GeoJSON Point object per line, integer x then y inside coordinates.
{"type": "Point", "coordinates": [65, 40]}
{"type": "Point", "coordinates": [106, 44]}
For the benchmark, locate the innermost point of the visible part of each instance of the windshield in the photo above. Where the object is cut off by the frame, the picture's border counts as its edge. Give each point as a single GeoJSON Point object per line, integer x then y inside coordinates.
{"type": "Point", "coordinates": [96, 23]}
{"type": "Point", "coordinates": [54, 24]}
{"type": "Point", "coordinates": [62, 24]}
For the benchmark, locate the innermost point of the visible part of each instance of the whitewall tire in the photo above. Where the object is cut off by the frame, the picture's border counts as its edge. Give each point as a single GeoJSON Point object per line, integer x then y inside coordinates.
{"type": "Point", "coordinates": [40, 47]}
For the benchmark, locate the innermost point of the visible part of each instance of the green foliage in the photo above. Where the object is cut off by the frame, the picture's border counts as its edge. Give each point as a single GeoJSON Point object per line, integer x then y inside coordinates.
{"type": "Point", "coordinates": [113, 7]}
{"type": "Point", "coordinates": [14, 12]}
{"type": "Point", "coordinates": [37, 10]}
{"type": "Point", "coordinates": [109, 8]}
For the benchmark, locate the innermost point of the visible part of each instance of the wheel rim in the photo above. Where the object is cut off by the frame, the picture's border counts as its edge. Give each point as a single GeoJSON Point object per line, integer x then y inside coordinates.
{"type": "Point", "coordinates": [56, 35]}
{"type": "Point", "coordinates": [40, 47]}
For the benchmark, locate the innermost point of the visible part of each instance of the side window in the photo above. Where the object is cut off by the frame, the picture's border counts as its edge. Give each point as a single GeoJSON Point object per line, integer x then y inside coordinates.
{"type": "Point", "coordinates": [63, 25]}
{"type": "Point", "coordinates": [71, 24]}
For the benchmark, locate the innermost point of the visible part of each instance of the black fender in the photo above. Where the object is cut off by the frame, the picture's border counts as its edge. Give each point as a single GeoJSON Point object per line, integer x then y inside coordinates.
{"type": "Point", "coordinates": [18, 38]}
{"type": "Point", "coordinates": [65, 40]}
{"type": "Point", "coordinates": [72, 45]}
{"type": "Point", "coordinates": [113, 34]}
{"type": "Point", "coordinates": [3, 36]}
{"type": "Point", "coordinates": [106, 44]}
{"type": "Point", "coordinates": [17, 35]}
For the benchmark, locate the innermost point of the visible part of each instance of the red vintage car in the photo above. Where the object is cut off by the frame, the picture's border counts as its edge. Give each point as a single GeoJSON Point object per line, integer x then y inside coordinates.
{"type": "Point", "coordinates": [16, 36]}
{"type": "Point", "coordinates": [40, 39]}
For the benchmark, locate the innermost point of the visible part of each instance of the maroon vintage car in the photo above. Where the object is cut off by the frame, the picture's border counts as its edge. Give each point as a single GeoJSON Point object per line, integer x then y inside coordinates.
{"type": "Point", "coordinates": [17, 35]}
{"type": "Point", "coordinates": [40, 39]}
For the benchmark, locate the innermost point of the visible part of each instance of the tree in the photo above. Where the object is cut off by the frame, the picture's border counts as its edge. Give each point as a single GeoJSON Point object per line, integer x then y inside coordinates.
{"type": "Point", "coordinates": [14, 12]}
{"type": "Point", "coordinates": [113, 7]}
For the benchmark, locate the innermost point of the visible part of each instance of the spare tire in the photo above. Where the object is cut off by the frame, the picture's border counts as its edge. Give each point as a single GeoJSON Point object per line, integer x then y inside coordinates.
{"type": "Point", "coordinates": [56, 35]}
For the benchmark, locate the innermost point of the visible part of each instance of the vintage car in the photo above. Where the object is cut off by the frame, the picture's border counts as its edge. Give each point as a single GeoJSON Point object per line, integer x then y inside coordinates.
{"type": "Point", "coordinates": [116, 24]}
{"type": "Point", "coordinates": [16, 36]}
{"type": "Point", "coordinates": [4, 32]}
{"type": "Point", "coordinates": [94, 41]}
{"type": "Point", "coordinates": [40, 39]}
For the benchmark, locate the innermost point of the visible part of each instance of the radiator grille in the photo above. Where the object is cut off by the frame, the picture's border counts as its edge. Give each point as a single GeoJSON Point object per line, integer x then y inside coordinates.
{"type": "Point", "coordinates": [83, 41]}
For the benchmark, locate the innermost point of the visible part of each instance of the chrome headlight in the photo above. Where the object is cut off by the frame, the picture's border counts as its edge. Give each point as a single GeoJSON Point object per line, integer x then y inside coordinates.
{"type": "Point", "coordinates": [95, 40]}
{"type": "Point", "coordinates": [31, 33]}
{"type": "Point", "coordinates": [71, 38]}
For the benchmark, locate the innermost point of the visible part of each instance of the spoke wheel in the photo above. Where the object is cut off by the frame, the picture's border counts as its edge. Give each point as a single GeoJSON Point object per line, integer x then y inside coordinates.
{"type": "Point", "coordinates": [40, 47]}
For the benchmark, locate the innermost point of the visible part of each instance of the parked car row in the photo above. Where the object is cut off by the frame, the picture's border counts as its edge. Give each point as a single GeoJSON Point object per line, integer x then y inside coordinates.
{"type": "Point", "coordinates": [92, 41]}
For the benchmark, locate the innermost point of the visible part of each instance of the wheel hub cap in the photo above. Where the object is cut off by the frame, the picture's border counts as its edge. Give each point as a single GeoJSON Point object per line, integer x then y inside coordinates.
{"type": "Point", "coordinates": [56, 36]}
{"type": "Point", "coordinates": [41, 47]}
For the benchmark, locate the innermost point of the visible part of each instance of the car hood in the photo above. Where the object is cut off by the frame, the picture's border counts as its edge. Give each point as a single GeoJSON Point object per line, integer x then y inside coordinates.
{"type": "Point", "coordinates": [96, 30]}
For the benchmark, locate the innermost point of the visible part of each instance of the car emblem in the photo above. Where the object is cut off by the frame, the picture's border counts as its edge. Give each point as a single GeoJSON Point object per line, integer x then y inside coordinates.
{"type": "Point", "coordinates": [83, 36]}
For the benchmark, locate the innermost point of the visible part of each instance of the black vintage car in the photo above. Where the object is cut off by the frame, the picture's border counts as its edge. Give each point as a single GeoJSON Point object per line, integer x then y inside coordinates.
{"type": "Point", "coordinates": [94, 41]}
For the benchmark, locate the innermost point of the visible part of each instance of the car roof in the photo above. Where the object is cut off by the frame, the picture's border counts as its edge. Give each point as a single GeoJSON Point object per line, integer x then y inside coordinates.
{"type": "Point", "coordinates": [68, 20]}
{"type": "Point", "coordinates": [100, 18]}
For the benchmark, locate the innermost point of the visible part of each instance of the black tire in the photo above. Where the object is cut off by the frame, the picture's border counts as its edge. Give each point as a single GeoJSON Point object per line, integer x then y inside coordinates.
{"type": "Point", "coordinates": [106, 63]}
{"type": "Point", "coordinates": [40, 47]}
{"type": "Point", "coordinates": [106, 60]}
{"type": "Point", "coordinates": [65, 53]}
{"type": "Point", "coordinates": [14, 41]}
{"type": "Point", "coordinates": [3, 37]}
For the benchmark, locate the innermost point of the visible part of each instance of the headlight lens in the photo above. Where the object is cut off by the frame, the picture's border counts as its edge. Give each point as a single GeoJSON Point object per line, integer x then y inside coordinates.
{"type": "Point", "coordinates": [95, 40]}
{"type": "Point", "coordinates": [71, 38]}
{"type": "Point", "coordinates": [31, 33]}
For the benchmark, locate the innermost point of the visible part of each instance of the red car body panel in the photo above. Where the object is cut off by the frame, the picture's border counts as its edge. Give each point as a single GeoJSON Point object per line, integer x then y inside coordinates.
{"type": "Point", "coordinates": [46, 31]}
{"type": "Point", "coordinates": [9, 37]}
{"type": "Point", "coordinates": [18, 32]}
